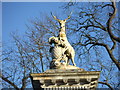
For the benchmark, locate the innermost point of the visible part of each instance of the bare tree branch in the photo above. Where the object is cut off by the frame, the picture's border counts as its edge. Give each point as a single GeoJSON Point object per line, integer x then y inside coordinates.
{"type": "Point", "coordinates": [11, 83]}
{"type": "Point", "coordinates": [24, 82]}
{"type": "Point", "coordinates": [87, 26]}
{"type": "Point", "coordinates": [105, 83]}
{"type": "Point", "coordinates": [110, 22]}
{"type": "Point", "coordinates": [106, 47]}
{"type": "Point", "coordinates": [109, 52]}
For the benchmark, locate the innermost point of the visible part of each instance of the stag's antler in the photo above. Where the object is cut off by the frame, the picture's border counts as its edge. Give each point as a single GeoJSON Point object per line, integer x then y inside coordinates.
{"type": "Point", "coordinates": [59, 19]}
{"type": "Point", "coordinates": [68, 16]}
{"type": "Point", "coordinates": [55, 17]}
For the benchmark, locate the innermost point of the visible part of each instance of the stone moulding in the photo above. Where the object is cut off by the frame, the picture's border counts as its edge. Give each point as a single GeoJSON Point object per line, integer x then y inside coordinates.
{"type": "Point", "coordinates": [56, 78]}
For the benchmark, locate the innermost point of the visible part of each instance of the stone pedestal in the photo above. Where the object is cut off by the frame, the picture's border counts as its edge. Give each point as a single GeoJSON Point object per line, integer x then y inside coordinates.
{"type": "Point", "coordinates": [73, 79]}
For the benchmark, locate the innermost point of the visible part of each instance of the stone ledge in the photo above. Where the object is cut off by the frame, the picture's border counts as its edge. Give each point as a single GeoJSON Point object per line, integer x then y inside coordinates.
{"type": "Point", "coordinates": [56, 78]}
{"type": "Point", "coordinates": [68, 72]}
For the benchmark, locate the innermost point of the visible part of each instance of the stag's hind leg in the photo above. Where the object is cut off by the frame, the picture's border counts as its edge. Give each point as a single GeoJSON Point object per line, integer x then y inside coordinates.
{"type": "Point", "coordinates": [72, 58]}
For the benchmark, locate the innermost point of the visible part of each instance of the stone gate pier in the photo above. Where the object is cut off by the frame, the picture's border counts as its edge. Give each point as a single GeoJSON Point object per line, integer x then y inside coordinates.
{"type": "Point", "coordinates": [62, 75]}
{"type": "Point", "coordinates": [71, 79]}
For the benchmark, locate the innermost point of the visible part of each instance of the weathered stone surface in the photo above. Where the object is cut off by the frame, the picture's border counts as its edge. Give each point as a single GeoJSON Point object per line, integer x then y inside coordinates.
{"type": "Point", "coordinates": [59, 65]}
{"type": "Point", "coordinates": [62, 49]}
{"type": "Point", "coordinates": [69, 78]}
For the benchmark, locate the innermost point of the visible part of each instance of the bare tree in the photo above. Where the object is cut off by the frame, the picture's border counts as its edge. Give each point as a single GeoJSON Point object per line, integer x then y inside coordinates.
{"type": "Point", "coordinates": [30, 54]}
{"type": "Point", "coordinates": [96, 29]}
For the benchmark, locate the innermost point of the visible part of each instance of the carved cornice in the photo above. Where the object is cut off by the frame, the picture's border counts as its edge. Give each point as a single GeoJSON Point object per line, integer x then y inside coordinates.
{"type": "Point", "coordinates": [57, 78]}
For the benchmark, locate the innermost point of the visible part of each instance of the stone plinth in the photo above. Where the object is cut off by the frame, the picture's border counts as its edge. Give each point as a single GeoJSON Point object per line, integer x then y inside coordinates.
{"type": "Point", "coordinates": [56, 78]}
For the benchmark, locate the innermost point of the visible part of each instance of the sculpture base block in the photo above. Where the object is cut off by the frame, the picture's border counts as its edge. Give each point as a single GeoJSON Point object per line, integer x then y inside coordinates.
{"type": "Point", "coordinates": [69, 78]}
{"type": "Point", "coordinates": [59, 65]}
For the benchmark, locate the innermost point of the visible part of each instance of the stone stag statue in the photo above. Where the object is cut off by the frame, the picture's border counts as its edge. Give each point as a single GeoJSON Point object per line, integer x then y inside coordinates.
{"type": "Point", "coordinates": [62, 50]}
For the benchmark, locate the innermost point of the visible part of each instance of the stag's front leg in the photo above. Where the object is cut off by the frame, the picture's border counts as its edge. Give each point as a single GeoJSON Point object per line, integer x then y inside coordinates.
{"type": "Point", "coordinates": [65, 58]}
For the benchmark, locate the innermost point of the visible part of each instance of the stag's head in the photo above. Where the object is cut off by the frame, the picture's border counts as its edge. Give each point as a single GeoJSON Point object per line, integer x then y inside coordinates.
{"type": "Point", "coordinates": [61, 22]}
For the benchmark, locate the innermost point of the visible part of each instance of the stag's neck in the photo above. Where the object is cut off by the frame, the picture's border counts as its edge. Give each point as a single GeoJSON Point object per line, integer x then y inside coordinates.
{"type": "Point", "coordinates": [62, 29]}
